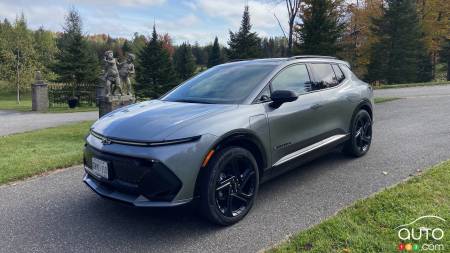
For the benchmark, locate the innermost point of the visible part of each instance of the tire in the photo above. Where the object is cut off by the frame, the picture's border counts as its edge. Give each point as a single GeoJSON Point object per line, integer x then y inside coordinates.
{"type": "Point", "coordinates": [229, 187]}
{"type": "Point", "coordinates": [361, 135]}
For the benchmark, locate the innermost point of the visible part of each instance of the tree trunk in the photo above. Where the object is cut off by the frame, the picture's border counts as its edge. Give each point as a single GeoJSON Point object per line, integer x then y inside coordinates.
{"type": "Point", "coordinates": [291, 34]}
{"type": "Point", "coordinates": [18, 83]}
{"type": "Point", "coordinates": [448, 70]}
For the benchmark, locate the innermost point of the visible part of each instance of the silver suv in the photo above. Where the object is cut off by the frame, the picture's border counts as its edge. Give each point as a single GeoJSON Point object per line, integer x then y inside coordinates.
{"type": "Point", "coordinates": [218, 136]}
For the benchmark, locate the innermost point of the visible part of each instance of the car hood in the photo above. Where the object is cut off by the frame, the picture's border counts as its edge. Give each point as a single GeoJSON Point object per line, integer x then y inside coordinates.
{"type": "Point", "coordinates": [154, 120]}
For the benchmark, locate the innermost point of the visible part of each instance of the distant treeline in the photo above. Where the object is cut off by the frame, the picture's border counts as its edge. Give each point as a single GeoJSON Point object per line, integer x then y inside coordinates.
{"type": "Point", "coordinates": [386, 41]}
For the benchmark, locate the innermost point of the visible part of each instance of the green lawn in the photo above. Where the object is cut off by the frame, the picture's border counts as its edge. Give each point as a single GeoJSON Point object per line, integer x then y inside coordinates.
{"type": "Point", "coordinates": [8, 102]}
{"type": "Point", "coordinates": [407, 85]}
{"type": "Point", "coordinates": [31, 153]}
{"type": "Point", "coordinates": [369, 225]}
{"type": "Point", "coordinates": [384, 99]}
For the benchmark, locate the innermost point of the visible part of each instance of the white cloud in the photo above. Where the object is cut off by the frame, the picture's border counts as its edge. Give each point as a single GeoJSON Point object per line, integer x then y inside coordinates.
{"type": "Point", "coordinates": [124, 2]}
{"type": "Point", "coordinates": [261, 13]}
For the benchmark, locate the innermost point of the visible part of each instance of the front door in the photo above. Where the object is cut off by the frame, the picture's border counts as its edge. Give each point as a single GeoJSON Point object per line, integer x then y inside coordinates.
{"type": "Point", "coordinates": [297, 124]}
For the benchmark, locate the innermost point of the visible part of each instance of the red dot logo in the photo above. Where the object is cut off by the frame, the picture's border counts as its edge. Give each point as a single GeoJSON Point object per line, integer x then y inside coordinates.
{"type": "Point", "coordinates": [401, 247]}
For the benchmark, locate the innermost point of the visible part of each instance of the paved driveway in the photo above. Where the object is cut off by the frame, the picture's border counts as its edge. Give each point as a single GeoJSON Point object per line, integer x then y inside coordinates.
{"type": "Point", "coordinates": [57, 213]}
{"type": "Point", "coordinates": [16, 122]}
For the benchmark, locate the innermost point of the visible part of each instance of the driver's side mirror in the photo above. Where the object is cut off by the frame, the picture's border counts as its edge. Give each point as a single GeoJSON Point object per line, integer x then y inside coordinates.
{"type": "Point", "coordinates": [280, 97]}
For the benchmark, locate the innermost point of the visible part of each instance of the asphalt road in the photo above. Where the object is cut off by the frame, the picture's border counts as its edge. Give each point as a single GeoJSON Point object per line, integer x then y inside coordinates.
{"type": "Point", "coordinates": [16, 122]}
{"type": "Point", "coordinates": [429, 91]}
{"type": "Point", "coordinates": [57, 213]}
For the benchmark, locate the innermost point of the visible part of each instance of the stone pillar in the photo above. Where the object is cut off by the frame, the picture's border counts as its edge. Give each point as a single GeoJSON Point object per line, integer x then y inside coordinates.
{"type": "Point", "coordinates": [39, 94]}
{"type": "Point", "coordinates": [107, 104]}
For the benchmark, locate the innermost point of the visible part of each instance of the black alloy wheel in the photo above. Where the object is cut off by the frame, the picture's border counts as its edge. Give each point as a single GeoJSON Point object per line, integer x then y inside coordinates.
{"type": "Point", "coordinates": [361, 135]}
{"type": "Point", "coordinates": [231, 187]}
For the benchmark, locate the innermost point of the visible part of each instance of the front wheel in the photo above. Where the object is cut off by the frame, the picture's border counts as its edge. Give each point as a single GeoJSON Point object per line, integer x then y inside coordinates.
{"type": "Point", "coordinates": [230, 186]}
{"type": "Point", "coordinates": [361, 135]}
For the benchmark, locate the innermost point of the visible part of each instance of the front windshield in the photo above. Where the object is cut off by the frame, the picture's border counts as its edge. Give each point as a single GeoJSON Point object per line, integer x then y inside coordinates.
{"type": "Point", "coordinates": [225, 84]}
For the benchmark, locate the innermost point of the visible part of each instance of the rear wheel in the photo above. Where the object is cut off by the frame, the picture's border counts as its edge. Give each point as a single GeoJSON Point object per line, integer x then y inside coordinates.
{"type": "Point", "coordinates": [229, 187]}
{"type": "Point", "coordinates": [361, 135]}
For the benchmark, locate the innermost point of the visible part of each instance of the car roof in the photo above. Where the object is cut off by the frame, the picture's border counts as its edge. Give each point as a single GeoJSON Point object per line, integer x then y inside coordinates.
{"type": "Point", "coordinates": [287, 61]}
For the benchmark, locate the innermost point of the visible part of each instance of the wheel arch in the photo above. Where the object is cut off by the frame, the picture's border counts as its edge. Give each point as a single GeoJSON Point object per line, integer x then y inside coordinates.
{"type": "Point", "coordinates": [363, 105]}
{"type": "Point", "coordinates": [241, 138]}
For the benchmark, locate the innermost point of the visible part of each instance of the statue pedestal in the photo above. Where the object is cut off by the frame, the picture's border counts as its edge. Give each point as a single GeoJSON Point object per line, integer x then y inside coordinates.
{"type": "Point", "coordinates": [111, 103]}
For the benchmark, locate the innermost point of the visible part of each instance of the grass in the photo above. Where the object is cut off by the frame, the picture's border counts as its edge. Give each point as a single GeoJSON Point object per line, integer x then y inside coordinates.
{"type": "Point", "coordinates": [385, 99]}
{"type": "Point", "coordinates": [8, 102]}
{"type": "Point", "coordinates": [369, 225]}
{"type": "Point", "coordinates": [408, 85]}
{"type": "Point", "coordinates": [31, 153]}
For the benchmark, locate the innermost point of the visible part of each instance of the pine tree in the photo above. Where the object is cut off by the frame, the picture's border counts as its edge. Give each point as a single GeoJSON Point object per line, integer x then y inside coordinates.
{"type": "Point", "coordinates": [154, 71]}
{"type": "Point", "coordinates": [200, 54]}
{"type": "Point", "coordinates": [184, 62]}
{"type": "Point", "coordinates": [321, 28]}
{"type": "Point", "coordinates": [399, 56]}
{"type": "Point", "coordinates": [77, 61]}
{"type": "Point", "coordinates": [215, 56]}
{"type": "Point", "coordinates": [126, 47]}
{"type": "Point", "coordinates": [244, 44]}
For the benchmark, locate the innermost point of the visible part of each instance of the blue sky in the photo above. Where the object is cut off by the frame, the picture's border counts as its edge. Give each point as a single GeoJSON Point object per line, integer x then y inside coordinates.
{"type": "Point", "coordinates": [184, 20]}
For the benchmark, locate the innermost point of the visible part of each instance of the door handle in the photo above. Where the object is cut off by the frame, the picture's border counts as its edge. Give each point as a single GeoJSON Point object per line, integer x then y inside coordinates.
{"type": "Point", "coordinates": [315, 106]}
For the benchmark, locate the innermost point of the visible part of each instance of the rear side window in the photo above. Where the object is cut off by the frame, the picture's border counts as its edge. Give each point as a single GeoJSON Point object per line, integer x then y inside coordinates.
{"type": "Point", "coordinates": [339, 74]}
{"type": "Point", "coordinates": [294, 78]}
{"type": "Point", "coordinates": [325, 76]}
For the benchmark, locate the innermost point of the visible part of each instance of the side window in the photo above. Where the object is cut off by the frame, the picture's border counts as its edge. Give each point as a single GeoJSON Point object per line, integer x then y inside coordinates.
{"type": "Point", "coordinates": [294, 78]}
{"type": "Point", "coordinates": [325, 76]}
{"type": "Point", "coordinates": [339, 74]}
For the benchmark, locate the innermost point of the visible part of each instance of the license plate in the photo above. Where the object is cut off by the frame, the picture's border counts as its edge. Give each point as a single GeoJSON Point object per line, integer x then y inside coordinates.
{"type": "Point", "coordinates": [100, 168]}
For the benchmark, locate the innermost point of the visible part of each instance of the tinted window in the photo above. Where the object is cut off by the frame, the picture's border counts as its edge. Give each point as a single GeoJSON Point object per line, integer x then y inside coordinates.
{"type": "Point", "coordinates": [325, 76]}
{"type": "Point", "coordinates": [226, 84]}
{"type": "Point", "coordinates": [339, 75]}
{"type": "Point", "coordinates": [294, 78]}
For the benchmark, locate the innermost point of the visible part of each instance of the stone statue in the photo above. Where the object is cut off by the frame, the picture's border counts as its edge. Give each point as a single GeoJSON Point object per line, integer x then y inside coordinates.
{"type": "Point", "coordinates": [111, 75]}
{"type": "Point", "coordinates": [114, 91]}
{"type": "Point", "coordinates": [126, 69]}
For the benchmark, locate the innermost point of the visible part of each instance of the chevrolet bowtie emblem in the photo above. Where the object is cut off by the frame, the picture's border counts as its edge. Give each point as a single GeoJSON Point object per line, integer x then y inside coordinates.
{"type": "Point", "coordinates": [106, 141]}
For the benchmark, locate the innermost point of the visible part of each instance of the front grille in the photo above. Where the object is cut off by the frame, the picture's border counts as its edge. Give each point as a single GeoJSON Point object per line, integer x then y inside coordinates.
{"type": "Point", "coordinates": [137, 175]}
{"type": "Point", "coordinates": [127, 169]}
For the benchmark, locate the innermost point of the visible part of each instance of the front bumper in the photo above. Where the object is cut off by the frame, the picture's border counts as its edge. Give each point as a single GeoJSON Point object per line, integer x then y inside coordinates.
{"type": "Point", "coordinates": [133, 199]}
{"type": "Point", "coordinates": [146, 176]}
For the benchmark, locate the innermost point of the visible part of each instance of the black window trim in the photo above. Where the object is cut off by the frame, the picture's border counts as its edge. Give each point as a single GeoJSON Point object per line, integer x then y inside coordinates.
{"type": "Point", "coordinates": [311, 78]}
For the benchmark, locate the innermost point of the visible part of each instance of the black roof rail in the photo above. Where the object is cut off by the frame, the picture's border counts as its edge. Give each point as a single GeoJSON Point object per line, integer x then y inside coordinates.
{"type": "Point", "coordinates": [311, 56]}
{"type": "Point", "coordinates": [237, 60]}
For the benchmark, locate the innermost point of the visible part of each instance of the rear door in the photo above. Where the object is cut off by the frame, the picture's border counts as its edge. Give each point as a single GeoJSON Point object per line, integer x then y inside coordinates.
{"type": "Point", "coordinates": [297, 124]}
{"type": "Point", "coordinates": [335, 92]}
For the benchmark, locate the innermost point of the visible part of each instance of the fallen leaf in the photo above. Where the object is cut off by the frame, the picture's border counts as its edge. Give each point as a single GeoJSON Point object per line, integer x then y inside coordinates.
{"type": "Point", "coordinates": [346, 250]}
{"type": "Point", "coordinates": [308, 246]}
